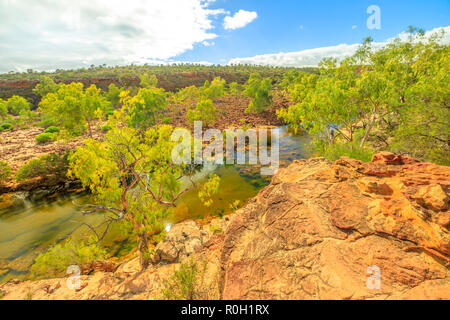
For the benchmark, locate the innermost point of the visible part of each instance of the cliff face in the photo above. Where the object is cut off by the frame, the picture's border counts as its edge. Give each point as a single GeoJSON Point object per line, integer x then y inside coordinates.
{"type": "Point", "coordinates": [318, 231]}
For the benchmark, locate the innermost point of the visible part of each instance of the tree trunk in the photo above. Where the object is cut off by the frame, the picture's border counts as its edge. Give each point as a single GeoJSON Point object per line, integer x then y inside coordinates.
{"type": "Point", "coordinates": [89, 128]}
{"type": "Point", "coordinates": [143, 251]}
{"type": "Point", "coordinates": [369, 128]}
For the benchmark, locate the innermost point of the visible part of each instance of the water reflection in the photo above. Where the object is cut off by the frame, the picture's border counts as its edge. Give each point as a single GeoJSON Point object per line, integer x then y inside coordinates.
{"type": "Point", "coordinates": [29, 228]}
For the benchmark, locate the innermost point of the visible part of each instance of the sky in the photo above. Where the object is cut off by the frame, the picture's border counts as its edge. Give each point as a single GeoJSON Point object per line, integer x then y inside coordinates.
{"type": "Point", "coordinates": [66, 34]}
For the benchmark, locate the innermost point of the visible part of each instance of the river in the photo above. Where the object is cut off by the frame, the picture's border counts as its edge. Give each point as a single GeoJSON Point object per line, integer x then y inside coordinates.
{"type": "Point", "coordinates": [30, 228]}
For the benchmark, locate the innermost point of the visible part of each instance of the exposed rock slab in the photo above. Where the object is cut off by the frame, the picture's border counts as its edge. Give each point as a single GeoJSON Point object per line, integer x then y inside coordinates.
{"type": "Point", "coordinates": [318, 231]}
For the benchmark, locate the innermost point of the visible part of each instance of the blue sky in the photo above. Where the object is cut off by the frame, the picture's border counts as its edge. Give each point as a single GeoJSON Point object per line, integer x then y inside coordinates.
{"type": "Point", "coordinates": [287, 26]}
{"type": "Point", "coordinates": [52, 34]}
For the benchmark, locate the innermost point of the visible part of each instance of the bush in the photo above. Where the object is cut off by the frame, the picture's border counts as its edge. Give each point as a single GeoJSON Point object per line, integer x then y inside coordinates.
{"type": "Point", "coordinates": [51, 129]}
{"type": "Point", "coordinates": [6, 127]}
{"type": "Point", "coordinates": [215, 89]}
{"type": "Point", "coordinates": [106, 128]}
{"type": "Point", "coordinates": [46, 122]}
{"type": "Point", "coordinates": [204, 111]}
{"type": "Point", "coordinates": [188, 283]}
{"type": "Point", "coordinates": [351, 150]}
{"type": "Point", "coordinates": [259, 90]}
{"type": "Point", "coordinates": [49, 165]}
{"type": "Point", "coordinates": [56, 260]}
{"type": "Point", "coordinates": [45, 137]}
{"type": "Point", "coordinates": [5, 171]}
{"type": "Point", "coordinates": [167, 120]}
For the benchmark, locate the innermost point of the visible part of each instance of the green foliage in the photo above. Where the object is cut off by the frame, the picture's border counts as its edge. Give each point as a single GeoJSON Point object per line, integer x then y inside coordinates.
{"type": "Point", "coordinates": [145, 107]}
{"type": "Point", "coordinates": [51, 129]}
{"type": "Point", "coordinates": [167, 120]}
{"type": "Point", "coordinates": [73, 107]}
{"type": "Point", "coordinates": [208, 189]}
{"type": "Point", "coordinates": [106, 128]}
{"type": "Point", "coordinates": [18, 105]}
{"type": "Point", "coordinates": [188, 283]}
{"type": "Point", "coordinates": [45, 137]}
{"type": "Point", "coordinates": [55, 261]}
{"type": "Point", "coordinates": [6, 127]}
{"type": "Point", "coordinates": [47, 121]}
{"type": "Point", "coordinates": [396, 97]}
{"type": "Point", "coordinates": [51, 165]}
{"type": "Point", "coordinates": [235, 88]}
{"type": "Point", "coordinates": [5, 171]}
{"type": "Point", "coordinates": [148, 81]}
{"type": "Point", "coordinates": [189, 94]}
{"type": "Point", "coordinates": [352, 150]}
{"type": "Point", "coordinates": [3, 110]}
{"type": "Point", "coordinates": [132, 174]}
{"type": "Point", "coordinates": [204, 111]}
{"type": "Point", "coordinates": [259, 90]}
{"type": "Point", "coordinates": [214, 89]}
{"type": "Point", "coordinates": [235, 205]}
{"type": "Point", "coordinates": [45, 86]}
{"type": "Point", "coordinates": [113, 94]}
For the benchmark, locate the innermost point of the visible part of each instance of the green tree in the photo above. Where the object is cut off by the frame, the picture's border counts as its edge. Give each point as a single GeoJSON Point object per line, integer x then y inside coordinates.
{"type": "Point", "coordinates": [45, 86]}
{"type": "Point", "coordinates": [132, 177]}
{"type": "Point", "coordinates": [235, 88]}
{"type": "Point", "coordinates": [145, 107]}
{"type": "Point", "coordinates": [113, 94]}
{"type": "Point", "coordinates": [3, 110]}
{"type": "Point", "coordinates": [148, 81]}
{"type": "Point", "coordinates": [259, 89]}
{"type": "Point", "coordinates": [214, 89]}
{"type": "Point", "coordinates": [204, 111]}
{"type": "Point", "coordinates": [74, 108]}
{"type": "Point", "coordinates": [18, 105]}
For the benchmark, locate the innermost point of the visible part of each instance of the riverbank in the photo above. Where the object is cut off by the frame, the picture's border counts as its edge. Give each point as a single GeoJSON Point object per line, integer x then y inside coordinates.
{"type": "Point", "coordinates": [320, 230]}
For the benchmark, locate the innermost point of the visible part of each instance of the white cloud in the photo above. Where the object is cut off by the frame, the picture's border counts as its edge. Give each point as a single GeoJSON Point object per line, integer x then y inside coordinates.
{"type": "Point", "coordinates": [208, 43]}
{"type": "Point", "coordinates": [239, 20]}
{"type": "Point", "coordinates": [354, 27]}
{"type": "Point", "coordinates": [50, 34]}
{"type": "Point", "coordinates": [311, 57]}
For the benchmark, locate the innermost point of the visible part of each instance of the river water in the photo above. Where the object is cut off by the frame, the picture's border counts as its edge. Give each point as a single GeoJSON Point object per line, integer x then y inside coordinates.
{"type": "Point", "coordinates": [30, 228]}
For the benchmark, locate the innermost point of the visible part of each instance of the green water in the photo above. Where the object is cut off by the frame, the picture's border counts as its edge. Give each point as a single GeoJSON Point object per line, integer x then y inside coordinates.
{"type": "Point", "coordinates": [27, 230]}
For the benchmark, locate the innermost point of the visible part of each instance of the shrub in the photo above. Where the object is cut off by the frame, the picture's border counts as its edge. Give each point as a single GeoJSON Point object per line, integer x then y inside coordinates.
{"type": "Point", "coordinates": [49, 165]}
{"type": "Point", "coordinates": [259, 90]}
{"type": "Point", "coordinates": [235, 88]}
{"type": "Point", "coordinates": [51, 129]}
{"type": "Point", "coordinates": [106, 128]}
{"type": "Point", "coordinates": [56, 260]}
{"type": "Point", "coordinates": [167, 120]}
{"type": "Point", "coordinates": [5, 171]}
{"type": "Point", "coordinates": [352, 150]}
{"type": "Point", "coordinates": [214, 89]}
{"type": "Point", "coordinates": [45, 137]}
{"type": "Point", "coordinates": [18, 105]}
{"type": "Point", "coordinates": [6, 127]}
{"type": "Point", "coordinates": [188, 283]}
{"type": "Point", "coordinates": [204, 111]}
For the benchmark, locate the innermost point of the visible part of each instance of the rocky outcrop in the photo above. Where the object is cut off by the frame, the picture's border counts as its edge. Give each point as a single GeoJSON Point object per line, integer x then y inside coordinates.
{"type": "Point", "coordinates": [320, 230]}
